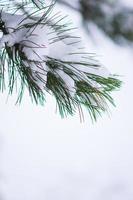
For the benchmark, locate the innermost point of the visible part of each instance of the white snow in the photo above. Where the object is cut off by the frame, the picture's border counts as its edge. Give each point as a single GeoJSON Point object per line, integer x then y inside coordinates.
{"type": "Point", "coordinates": [68, 81]}
{"type": "Point", "coordinates": [33, 41]}
{"type": "Point", "coordinates": [45, 157]}
{"type": "Point", "coordinates": [38, 42]}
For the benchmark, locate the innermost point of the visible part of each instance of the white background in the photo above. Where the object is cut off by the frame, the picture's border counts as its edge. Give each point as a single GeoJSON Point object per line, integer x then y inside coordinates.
{"type": "Point", "coordinates": [44, 157]}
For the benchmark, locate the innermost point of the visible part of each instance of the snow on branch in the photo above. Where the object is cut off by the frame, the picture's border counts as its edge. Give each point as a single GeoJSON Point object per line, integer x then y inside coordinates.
{"type": "Point", "coordinates": [41, 52]}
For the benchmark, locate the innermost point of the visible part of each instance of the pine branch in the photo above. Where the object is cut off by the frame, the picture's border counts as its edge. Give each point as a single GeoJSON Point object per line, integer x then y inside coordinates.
{"type": "Point", "coordinates": [72, 76]}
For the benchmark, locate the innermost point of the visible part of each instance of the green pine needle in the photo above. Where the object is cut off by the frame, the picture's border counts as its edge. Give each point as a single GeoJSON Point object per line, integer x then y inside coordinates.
{"type": "Point", "coordinates": [20, 77]}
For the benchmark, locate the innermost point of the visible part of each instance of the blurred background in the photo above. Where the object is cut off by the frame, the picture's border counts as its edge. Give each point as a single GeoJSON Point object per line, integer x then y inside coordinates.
{"type": "Point", "coordinates": [45, 157]}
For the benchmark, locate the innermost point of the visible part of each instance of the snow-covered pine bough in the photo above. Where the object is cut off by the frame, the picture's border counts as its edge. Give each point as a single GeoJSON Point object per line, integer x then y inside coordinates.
{"type": "Point", "coordinates": [40, 51]}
